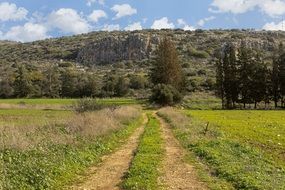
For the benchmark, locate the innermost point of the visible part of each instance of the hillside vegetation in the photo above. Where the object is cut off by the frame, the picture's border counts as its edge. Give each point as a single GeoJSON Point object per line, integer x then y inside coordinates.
{"type": "Point", "coordinates": [108, 64]}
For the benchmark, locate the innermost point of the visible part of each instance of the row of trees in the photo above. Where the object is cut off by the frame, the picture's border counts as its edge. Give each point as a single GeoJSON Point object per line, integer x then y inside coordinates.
{"type": "Point", "coordinates": [244, 78]}
{"type": "Point", "coordinates": [51, 81]}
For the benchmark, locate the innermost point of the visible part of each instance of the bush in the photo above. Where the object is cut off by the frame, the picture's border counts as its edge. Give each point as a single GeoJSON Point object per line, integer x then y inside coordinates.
{"type": "Point", "coordinates": [165, 95]}
{"type": "Point", "coordinates": [198, 54]}
{"type": "Point", "coordinates": [88, 104]}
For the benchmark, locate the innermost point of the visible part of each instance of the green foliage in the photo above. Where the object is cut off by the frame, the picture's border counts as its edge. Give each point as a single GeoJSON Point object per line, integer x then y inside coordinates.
{"type": "Point", "coordinates": [143, 173]}
{"type": "Point", "coordinates": [243, 77]}
{"type": "Point", "coordinates": [90, 104]}
{"type": "Point", "coordinates": [138, 82]}
{"type": "Point", "coordinates": [23, 83]}
{"type": "Point", "coordinates": [167, 75]}
{"type": "Point", "coordinates": [202, 101]}
{"type": "Point", "coordinates": [115, 86]}
{"type": "Point", "coordinates": [167, 68]}
{"type": "Point", "coordinates": [165, 95]}
{"type": "Point", "coordinates": [198, 54]}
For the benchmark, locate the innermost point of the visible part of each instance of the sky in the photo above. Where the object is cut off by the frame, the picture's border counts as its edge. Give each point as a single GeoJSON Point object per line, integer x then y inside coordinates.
{"type": "Point", "coordinates": [30, 20]}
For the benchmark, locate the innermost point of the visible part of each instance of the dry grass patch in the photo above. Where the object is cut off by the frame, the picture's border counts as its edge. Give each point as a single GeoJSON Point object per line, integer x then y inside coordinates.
{"type": "Point", "coordinates": [65, 130]}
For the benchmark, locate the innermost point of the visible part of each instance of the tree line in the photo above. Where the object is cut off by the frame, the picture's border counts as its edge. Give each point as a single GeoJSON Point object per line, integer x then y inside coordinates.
{"type": "Point", "coordinates": [53, 81]}
{"type": "Point", "coordinates": [244, 78]}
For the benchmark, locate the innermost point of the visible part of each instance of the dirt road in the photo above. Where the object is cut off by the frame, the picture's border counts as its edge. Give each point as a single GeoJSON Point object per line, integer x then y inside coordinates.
{"type": "Point", "coordinates": [177, 175]}
{"type": "Point", "coordinates": [108, 174]}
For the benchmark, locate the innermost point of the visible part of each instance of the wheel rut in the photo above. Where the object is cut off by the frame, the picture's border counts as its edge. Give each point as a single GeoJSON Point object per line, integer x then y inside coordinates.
{"type": "Point", "coordinates": [109, 173]}
{"type": "Point", "coordinates": [176, 174]}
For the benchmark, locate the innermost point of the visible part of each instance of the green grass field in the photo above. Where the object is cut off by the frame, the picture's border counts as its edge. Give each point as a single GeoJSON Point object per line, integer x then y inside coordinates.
{"type": "Point", "coordinates": [238, 149]}
{"type": "Point", "coordinates": [35, 117]}
{"type": "Point", "coordinates": [262, 129]}
{"type": "Point", "coordinates": [244, 147]}
{"type": "Point", "coordinates": [42, 149]}
{"type": "Point", "coordinates": [119, 101]}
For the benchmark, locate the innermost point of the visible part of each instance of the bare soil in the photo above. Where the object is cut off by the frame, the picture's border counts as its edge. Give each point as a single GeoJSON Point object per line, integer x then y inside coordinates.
{"type": "Point", "coordinates": [176, 174]}
{"type": "Point", "coordinates": [108, 175]}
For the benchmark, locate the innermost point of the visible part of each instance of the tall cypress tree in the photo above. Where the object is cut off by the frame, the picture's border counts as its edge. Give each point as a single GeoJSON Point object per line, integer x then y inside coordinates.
{"type": "Point", "coordinates": [227, 76]}
{"type": "Point", "coordinates": [167, 68]}
{"type": "Point", "coordinates": [245, 72]}
{"type": "Point", "coordinates": [282, 79]}
{"type": "Point", "coordinates": [220, 80]}
{"type": "Point", "coordinates": [167, 75]}
{"type": "Point", "coordinates": [276, 74]}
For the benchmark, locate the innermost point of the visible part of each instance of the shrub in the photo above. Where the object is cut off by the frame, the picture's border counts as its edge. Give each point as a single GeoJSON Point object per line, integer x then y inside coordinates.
{"type": "Point", "coordinates": [165, 95]}
{"type": "Point", "coordinates": [88, 104]}
{"type": "Point", "coordinates": [198, 54]}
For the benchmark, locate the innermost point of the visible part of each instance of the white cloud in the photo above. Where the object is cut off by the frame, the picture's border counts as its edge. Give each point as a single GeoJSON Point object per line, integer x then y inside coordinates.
{"type": "Point", "coordinates": [274, 26]}
{"type": "Point", "coordinates": [162, 23]}
{"type": "Point", "coordinates": [12, 12]}
{"type": "Point", "coordinates": [26, 33]}
{"type": "Point", "coordinates": [183, 24]}
{"type": "Point", "coordinates": [203, 21]}
{"type": "Point", "coordinates": [134, 26]}
{"type": "Point", "coordinates": [96, 15]}
{"type": "Point", "coordinates": [272, 8]}
{"type": "Point", "coordinates": [90, 2]}
{"type": "Point", "coordinates": [68, 21]}
{"type": "Point", "coordinates": [123, 10]}
{"type": "Point", "coordinates": [111, 27]}
{"type": "Point", "coordinates": [233, 6]}
{"type": "Point", "coordinates": [188, 27]}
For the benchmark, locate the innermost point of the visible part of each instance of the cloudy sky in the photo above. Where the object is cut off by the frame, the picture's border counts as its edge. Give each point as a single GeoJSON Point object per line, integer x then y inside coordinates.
{"type": "Point", "coordinates": [29, 20]}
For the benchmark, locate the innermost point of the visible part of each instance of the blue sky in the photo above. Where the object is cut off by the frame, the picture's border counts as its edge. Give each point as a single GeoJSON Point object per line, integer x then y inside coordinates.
{"type": "Point", "coordinates": [29, 20]}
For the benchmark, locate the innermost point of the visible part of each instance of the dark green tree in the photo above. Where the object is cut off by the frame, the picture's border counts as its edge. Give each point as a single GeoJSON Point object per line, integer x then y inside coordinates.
{"type": "Point", "coordinates": [227, 76]}
{"type": "Point", "coordinates": [69, 79]}
{"type": "Point", "coordinates": [282, 79]}
{"type": "Point", "coordinates": [276, 75]}
{"type": "Point", "coordinates": [6, 82]}
{"type": "Point", "coordinates": [122, 86]}
{"type": "Point", "coordinates": [245, 58]}
{"type": "Point", "coordinates": [167, 70]}
{"type": "Point", "coordinates": [51, 85]}
{"type": "Point", "coordinates": [23, 86]}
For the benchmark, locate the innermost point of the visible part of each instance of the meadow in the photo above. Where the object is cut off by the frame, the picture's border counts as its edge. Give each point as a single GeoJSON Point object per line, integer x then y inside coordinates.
{"type": "Point", "coordinates": [46, 148]}
{"type": "Point", "coordinates": [239, 149]}
{"type": "Point", "coordinates": [45, 143]}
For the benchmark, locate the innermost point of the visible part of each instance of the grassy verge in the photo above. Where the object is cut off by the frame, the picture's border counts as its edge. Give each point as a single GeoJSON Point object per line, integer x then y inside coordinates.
{"type": "Point", "coordinates": [143, 173]}
{"type": "Point", "coordinates": [228, 156]}
{"type": "Point", "coordinates": [54, 165]}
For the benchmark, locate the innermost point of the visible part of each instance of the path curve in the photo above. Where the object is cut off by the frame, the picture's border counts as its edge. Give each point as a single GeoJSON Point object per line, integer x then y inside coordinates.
{"type": "Point", "coordinates": [108, 175]}
{"type": "Point", "coordinates": [177, 175]}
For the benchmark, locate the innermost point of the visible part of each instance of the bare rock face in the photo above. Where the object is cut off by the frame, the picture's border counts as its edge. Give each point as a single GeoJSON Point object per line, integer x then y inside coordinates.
{"type": "Point", "coordinates": [115, 49]}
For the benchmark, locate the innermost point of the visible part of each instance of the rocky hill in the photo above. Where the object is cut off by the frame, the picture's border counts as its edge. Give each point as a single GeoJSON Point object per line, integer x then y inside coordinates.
{"type": "Point", "coordinates": [127, 53]}
{"type": "Point", "coordinates": [99, 48]}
